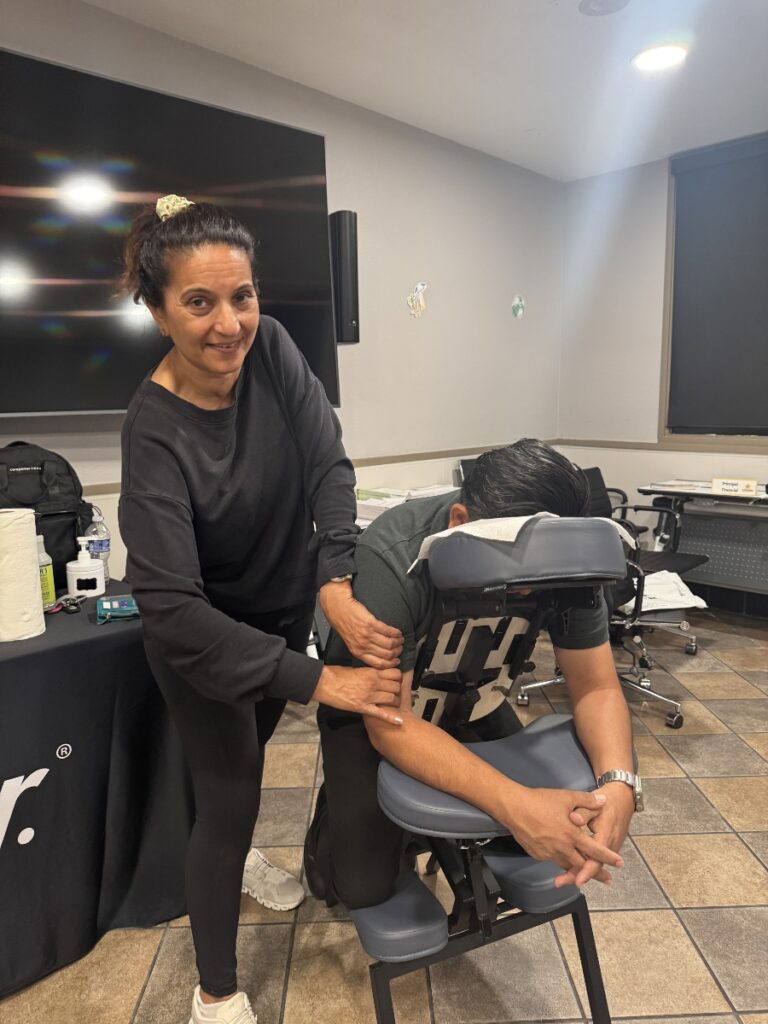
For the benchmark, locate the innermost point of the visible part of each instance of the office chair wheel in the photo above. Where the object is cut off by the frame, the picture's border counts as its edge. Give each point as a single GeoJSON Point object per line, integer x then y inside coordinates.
{"type": "Point", "coordinates": [674, 720]}
{"type": "Point", "coordinates": [523, 700]}
{"type": "Point", "coordinates": [691, 647]}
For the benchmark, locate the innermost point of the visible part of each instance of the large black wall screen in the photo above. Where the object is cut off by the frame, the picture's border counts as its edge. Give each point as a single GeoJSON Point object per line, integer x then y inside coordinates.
{"type": "Point", "coordinates": [719, 359]}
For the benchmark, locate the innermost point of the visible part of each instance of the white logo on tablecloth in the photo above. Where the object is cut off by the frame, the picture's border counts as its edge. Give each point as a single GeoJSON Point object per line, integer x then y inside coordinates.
{"type": "Point", "coordinates": [10, 791]}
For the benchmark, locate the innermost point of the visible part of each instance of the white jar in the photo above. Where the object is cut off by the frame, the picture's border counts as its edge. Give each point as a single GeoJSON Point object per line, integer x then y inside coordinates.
{"type": "Point", "coordinates": [85, 575]}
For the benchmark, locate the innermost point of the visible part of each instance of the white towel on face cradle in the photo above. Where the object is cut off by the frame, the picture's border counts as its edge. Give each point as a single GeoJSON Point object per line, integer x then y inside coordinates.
{"type": "Point", "coordinates": [505, 530]}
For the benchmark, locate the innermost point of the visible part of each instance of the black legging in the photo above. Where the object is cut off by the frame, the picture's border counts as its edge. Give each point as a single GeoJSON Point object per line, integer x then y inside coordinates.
{"type": "Point", "coordinates": [224, 747]}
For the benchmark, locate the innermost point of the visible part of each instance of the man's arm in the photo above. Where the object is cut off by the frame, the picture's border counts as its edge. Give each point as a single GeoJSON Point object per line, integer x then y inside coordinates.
{"type": "Point", "coordinates": [537, 818]}
{"type": "Point", "coordinates": [602, 724]}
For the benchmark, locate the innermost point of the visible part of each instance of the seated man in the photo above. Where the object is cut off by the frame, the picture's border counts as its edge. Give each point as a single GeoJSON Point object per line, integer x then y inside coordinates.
{"type": "Point", "coordinates": [354, 852]}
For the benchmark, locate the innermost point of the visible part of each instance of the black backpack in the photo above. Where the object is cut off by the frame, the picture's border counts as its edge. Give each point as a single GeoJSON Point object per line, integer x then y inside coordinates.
{"type": "Point", "coordinates": [32, 477]}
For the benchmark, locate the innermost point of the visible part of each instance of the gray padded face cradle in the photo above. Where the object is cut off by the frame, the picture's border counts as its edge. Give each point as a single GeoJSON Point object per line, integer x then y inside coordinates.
{"type": "Point", "coordinates": [547, 551]}
{"type": "Point", "coordinates": [545, 754]}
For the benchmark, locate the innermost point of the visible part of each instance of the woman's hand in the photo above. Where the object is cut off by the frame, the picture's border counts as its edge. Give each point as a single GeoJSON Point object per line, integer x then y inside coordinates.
{"type": "Point", "coordinates": [543, 822]}
{"type": "Point", "coordinates": [366, 638]}
{"type": "Point", "coordinates": [365, 690]}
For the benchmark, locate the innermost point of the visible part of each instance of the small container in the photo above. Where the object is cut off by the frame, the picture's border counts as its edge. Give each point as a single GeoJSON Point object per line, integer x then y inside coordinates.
{"type": "Point", "coordinates": [85, 575]}
{"type": "Point", "coordinates": [47, 586]}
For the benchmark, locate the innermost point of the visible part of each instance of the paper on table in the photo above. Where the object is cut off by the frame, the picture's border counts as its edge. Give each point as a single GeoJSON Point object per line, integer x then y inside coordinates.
{"type": "Point", "coordinates": [21, 601]}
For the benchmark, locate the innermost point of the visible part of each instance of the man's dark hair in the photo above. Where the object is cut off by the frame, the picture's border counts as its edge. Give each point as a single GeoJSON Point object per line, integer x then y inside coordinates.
{"type": "Point", "coordinates": [523, 478]}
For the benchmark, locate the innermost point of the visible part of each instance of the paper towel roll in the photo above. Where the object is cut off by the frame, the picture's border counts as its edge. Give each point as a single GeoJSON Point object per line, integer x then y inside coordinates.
{"type": "Point", "coordinates": [21, 603]}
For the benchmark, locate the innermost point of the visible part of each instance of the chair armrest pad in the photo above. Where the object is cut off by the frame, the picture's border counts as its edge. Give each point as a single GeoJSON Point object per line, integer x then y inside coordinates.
{"type": "Point", "coordinates": [618, 490]}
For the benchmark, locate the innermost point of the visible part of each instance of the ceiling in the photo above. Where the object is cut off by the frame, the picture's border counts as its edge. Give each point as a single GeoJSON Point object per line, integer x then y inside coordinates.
{"type": "Point", "coordinates": [535, 82]}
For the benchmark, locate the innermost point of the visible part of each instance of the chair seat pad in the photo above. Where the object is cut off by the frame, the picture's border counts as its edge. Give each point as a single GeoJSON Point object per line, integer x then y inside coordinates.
{"type": "Point", "coordinates": [408, 925]}
{"type": "Point", "coordinates": [546, 754]}
{"type": "Point", "coordinates": [672, 561]}
{"type": "Point", "coordinates": [528, 884]}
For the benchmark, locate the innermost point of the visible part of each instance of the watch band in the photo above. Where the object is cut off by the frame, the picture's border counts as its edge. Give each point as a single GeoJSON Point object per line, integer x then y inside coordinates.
{"type": "Point", "coordinates": [340, 579]}
{"type": "Point", "coordinates": [633, 781]}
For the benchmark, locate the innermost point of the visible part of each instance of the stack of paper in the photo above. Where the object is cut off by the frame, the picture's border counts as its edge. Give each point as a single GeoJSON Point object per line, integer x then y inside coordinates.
{"type": "Point", "coordinates": [371, 508]}
{"type": "Point", "coordinates": [432, 491]}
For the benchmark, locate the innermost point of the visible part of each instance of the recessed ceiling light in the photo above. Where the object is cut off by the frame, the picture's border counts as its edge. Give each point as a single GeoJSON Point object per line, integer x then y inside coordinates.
{"type": "Point", "coordinates": [658, 58]}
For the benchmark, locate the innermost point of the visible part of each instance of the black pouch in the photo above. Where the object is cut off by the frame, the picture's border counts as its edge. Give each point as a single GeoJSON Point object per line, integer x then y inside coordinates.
{"type": "Point", "coordinates": [35, 478]}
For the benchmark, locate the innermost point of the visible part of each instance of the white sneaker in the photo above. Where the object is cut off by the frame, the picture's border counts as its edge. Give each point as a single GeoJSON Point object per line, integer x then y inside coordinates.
{"type": "Point", "coordinates": [236, 1010]}
{"type": "Point", "coordinates": [270, 885]}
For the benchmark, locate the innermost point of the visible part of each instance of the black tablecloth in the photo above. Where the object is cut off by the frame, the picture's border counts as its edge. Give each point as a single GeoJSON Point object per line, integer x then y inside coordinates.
{"type": "Point", "coordinates": [96, 837]}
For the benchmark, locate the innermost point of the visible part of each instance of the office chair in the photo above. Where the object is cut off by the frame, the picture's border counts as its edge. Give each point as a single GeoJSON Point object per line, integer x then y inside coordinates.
{"type": "Point", "coordinates": [629, 629]}
{"type": "Point", "coordinates": [601, 504]}
{"type": "Point", "coordinates": [472, 653]}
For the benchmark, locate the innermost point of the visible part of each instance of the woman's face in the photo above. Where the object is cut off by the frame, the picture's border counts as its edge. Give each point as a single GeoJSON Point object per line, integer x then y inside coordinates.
{"type": "Point", "coordinates": [210, 309]}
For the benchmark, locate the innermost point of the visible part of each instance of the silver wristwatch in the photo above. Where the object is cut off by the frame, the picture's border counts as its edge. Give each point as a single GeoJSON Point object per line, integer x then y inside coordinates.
{"type": "Point", "coordinates": [633, 781]}
{"type": "Point", "coordinates": [340, 579]}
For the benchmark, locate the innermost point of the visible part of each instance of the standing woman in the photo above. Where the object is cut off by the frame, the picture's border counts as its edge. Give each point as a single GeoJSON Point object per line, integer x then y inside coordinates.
{"type": "Point", "coordinates": [237, 505]}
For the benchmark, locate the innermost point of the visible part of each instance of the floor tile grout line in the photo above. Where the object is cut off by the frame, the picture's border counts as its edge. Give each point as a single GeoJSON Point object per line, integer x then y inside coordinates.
{"type": "Point", "coordinates": [294, 923]}
{"type": "Point", "coordinates": [568, 972]}
{"type": "Point", "coordinates": [706, 962]}
{"type": "Point", "coordinates": [705, 906]}
{"type": "Point", "coordinates": [287, 975]}
{"type": "Point", "coordinates": [151, 968]}
{"type": "Point", "coordinates": [729, 828]}
{"type": "Point", "coordinates": [752, 832]}
{"type": "Point", "coordinates": [430, 995]}
{"type": "Point", "coordinates": [652, 873]}
{"type": "Point", "coordinates": [674, 1016]}
{"type": "Point", "coordinates": [318, 763]}
{"type": "Point", "coordinates": [713, 735]}
{"type": "Point", "coordinates": [702, 778]}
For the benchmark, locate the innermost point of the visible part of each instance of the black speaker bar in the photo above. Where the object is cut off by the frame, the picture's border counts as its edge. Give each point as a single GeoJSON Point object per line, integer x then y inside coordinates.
{"type": "Point", "coordinates": [343, 229]}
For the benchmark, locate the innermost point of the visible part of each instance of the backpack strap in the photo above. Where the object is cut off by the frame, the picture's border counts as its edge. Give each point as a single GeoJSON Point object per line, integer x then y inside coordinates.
{"type": "Point", "coordinates": [49, 473]}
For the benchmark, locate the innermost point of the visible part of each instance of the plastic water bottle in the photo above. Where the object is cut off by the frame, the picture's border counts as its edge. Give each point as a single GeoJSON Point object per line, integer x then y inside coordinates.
{"type": "Point", "coordinates": [99, 540]}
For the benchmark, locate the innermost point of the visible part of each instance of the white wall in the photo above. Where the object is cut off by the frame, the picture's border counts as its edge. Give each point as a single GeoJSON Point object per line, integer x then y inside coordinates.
{"type": "Point", "coordinates": [629, 468]}
{"type": "Point", "coordinates": [613, 300]}
{"type": "Point", "coordinates": [613, 306]}
{"type": "Point", "coordinates": [476, 229]}
{"type": "Point", "coordinates": [589, 256]}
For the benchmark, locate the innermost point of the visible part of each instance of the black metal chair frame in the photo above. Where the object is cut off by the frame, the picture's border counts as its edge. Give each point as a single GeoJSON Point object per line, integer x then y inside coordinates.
{"type": "Point", "coordinates": [473, 936]}
{"type": "Point", "coordinates": [480, 915]}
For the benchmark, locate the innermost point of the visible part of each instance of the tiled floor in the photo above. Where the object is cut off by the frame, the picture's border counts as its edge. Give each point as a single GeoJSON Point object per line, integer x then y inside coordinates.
{"type": "Point", "coordinates": [682, 933]}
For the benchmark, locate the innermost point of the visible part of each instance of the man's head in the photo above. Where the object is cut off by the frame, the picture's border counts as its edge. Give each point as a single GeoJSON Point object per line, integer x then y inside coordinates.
{"type": "Point", "coordinates": [521, 479]}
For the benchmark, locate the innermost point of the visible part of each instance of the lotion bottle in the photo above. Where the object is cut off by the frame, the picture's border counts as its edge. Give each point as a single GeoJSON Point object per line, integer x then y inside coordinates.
{"type": "Point", "coordinates": [85, 575]}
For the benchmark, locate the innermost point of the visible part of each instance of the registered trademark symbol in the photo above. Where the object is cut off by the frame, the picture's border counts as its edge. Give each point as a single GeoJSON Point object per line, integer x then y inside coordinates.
{"type": "Point", "coordinates": [63, 751]}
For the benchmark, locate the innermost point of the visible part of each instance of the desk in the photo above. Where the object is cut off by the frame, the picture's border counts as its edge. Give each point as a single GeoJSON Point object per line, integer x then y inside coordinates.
{"type": "Point", "coordinates": [731, 530]}
{"type": "Point", "coordinates": [95, 803]}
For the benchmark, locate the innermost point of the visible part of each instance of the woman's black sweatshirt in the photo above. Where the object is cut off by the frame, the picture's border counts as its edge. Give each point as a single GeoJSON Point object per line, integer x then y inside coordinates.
{"type": "Point", "coordinates": [233, 512]}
